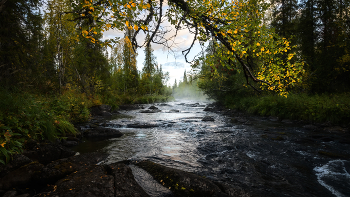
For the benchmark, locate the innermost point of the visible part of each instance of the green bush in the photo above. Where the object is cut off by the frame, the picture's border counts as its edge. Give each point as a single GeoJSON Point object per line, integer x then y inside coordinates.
{"type": "Point", "coordinates": [315, 108]}
{"type": "Point", "coordinates": [24, 116]}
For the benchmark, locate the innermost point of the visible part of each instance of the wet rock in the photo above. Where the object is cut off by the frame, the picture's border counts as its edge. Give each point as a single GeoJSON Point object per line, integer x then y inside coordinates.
{"type": "Point", "coordinates": [310, 127]}
{"type": "Point", "coordinates": [208, 108]}
{"type": "Point", "coordinates": [228, 112]}
{"type": "Point", "coordinates": [174, 111]}
{"type": "Point", "coordinates": [248, 122]}
{"type": "Point", "coordinates": [24, 195]}
{"type": "Point", "coordinates": [69, 143]}
{"type": "Point", "coordinates": [101, 110]}
{"type": "Point", "coordinates": [192, 105]}
{"type": "Point", "coordinates": [153, 107]}
{"type": "Point", "coordinates": [130, 107]}
{"type": "Point", "coordinates": [208, 118]}
{"type": "Point", "coordinates": [164, 104]}
{"type": "Point", "coordinates": [46, 152]}
{"type": "Point", "coordinates": [241, 120]}
{"type": "Point", "coordinates": [124, 182]}
{"type": "Point", "coordinates": [22, 177]}
{"type": "Point", "coordinates": [60, 168]}
{"type": "Point", "coordinates": [142, 125]}
{"type": "Point", "coordinates": [232, 190]}
{"type": "Point", "coordinates": [99, 180]}
{"type": "Point", "coordinates": [16, 162]}
{"type": "Point", "coordinates": [336, 129]}
{"type": "Point", "coordinates": [181, 183]}
{"type": "Point", "coordinates": [101, 132]}
{"type": "Point", "coordinates": [10, 193]}
{"type": "Point", "coordinates": [92, 181]}
{"type": "Point", "coordinates": [287, 121]}
{"type": "Point", "coordinates": [149, 185]}
{"type": "Point", "coordinates": [150, 111]}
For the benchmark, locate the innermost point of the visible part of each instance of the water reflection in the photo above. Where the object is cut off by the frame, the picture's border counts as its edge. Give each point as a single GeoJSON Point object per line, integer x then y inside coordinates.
{"type": "Point", "coordinates": [267, 157]}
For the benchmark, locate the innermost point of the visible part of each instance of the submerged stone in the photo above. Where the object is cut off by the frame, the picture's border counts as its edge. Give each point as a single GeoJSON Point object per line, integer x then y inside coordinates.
{"type": "Point", "coordinates": [208, 118]}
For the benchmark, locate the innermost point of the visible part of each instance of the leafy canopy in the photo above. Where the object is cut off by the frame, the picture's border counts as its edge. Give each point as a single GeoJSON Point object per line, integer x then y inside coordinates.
{"type": "Point", "coordinates": [250, 45]}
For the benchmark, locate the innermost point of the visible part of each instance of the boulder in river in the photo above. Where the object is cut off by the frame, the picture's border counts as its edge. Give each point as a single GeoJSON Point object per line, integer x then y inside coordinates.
{"type": "Point", "coordinates": [142, 125]}
{"type": "Point", "coordinates": [153, 107]}
{"type": "Point", "coordinates": [101, 132]}
{"type": "Point", "coordinates": [130, 107]}
{"type": "Point", "coordinates": [150, 111]}
{"type": "Point", "coordinates": [174, 111]}
{"type": "Point", "coordinates": [208, 118]}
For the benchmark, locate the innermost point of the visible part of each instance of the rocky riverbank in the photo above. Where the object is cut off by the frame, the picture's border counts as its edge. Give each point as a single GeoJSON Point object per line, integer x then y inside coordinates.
{"type": "Point", "coordinates": [52, 169]}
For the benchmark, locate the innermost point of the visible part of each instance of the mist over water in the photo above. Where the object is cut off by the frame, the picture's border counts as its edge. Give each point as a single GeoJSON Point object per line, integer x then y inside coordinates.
{"type": "Point", "coordinates": [192, 93]}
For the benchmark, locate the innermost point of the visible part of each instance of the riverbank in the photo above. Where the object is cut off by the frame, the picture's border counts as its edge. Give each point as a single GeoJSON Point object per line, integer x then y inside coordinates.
{"type": "Point", "coordinates": [28, 116]}
{"type": "Point", "coordinates": [240, 154]}
{"type": "Point", "coordinates": [50, 168]}
{"type": "Point", "coordinates": [328, 110]}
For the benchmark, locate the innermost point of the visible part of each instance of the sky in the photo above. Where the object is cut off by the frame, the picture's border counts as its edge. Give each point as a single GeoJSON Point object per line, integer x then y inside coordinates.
{"type": "Point", "coordinates": [172, 61]}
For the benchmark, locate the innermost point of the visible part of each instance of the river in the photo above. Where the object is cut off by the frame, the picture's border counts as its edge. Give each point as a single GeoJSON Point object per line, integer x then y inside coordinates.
{"type": "Point", "coordinates": [262, 156]}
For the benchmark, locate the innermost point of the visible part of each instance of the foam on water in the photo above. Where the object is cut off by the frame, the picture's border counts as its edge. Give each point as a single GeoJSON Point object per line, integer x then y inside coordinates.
{"type": "Point", "coordinates": [333, 170]}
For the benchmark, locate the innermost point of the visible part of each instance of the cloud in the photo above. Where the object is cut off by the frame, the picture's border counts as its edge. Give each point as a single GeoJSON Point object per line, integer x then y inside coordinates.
{"type": "Point", "coordinates": [173, 65]}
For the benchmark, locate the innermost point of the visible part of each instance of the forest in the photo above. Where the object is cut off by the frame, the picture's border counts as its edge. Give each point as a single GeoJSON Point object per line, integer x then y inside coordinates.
{"type": "Point", "coordinates": [284, 58]}
{"type": "Point", "coordinates": [49, 77]}
{"type": "Point", "coordinates": [318, 33]}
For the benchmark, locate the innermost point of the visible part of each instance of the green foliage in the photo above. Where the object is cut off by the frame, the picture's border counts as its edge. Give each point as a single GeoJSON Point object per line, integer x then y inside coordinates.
{"type": "Point", "coordinates": [73, 105]}
{"type": "Point", "coordinates": [317, 108]}
{"type": "Point", "coordinates": [24, 116]}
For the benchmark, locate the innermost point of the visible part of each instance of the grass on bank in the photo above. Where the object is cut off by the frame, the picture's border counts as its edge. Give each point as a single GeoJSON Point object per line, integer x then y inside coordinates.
{"type": "Point", "coordinates": [25, 116]}
{"type": "Point", "coordinates": [316, 108]}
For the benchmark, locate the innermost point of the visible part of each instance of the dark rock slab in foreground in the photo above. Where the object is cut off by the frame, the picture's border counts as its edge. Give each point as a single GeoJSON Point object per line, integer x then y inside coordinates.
{"type": "Point", "coordinates": [114, 180]}
{"type": "Point", "coordinates": [124, 182]}
{"type": "Point", "coordinates": [101, 133]}
{"type": "Point", "coordinates": [22, 177]}
{"type": "Point", "coordinates": [36, 175]}
{"type": "Point", "coordinates": [93, 181]}
{"type": "Point", "coordinates": [44, 153]}
{"type": "Point", "coordinates": [181, 183]}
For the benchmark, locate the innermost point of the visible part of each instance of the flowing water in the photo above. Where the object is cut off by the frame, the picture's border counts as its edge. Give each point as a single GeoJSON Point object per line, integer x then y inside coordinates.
{"type": "Point", "coordinates": [262, 156]}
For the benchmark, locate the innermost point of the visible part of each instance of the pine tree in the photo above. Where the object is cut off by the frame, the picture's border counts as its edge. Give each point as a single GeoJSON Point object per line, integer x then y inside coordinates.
{"type": "Point", "coordinates": [130, 72]}
{"type": "Point", "coordinates": [149, 67]}
{"type": "Point", "coordinates": [185, 78]}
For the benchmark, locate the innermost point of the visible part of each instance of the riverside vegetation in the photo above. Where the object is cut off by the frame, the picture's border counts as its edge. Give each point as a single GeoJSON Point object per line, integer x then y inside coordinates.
{"type": "Point", "coordinates": [49, 79]}
{"type": "Point", "coordinates": [54, 64]}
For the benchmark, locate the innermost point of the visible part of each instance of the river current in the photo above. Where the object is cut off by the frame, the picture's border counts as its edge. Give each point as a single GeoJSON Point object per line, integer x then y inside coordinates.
{"type": "Point", "coordinates": [262, 156]}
